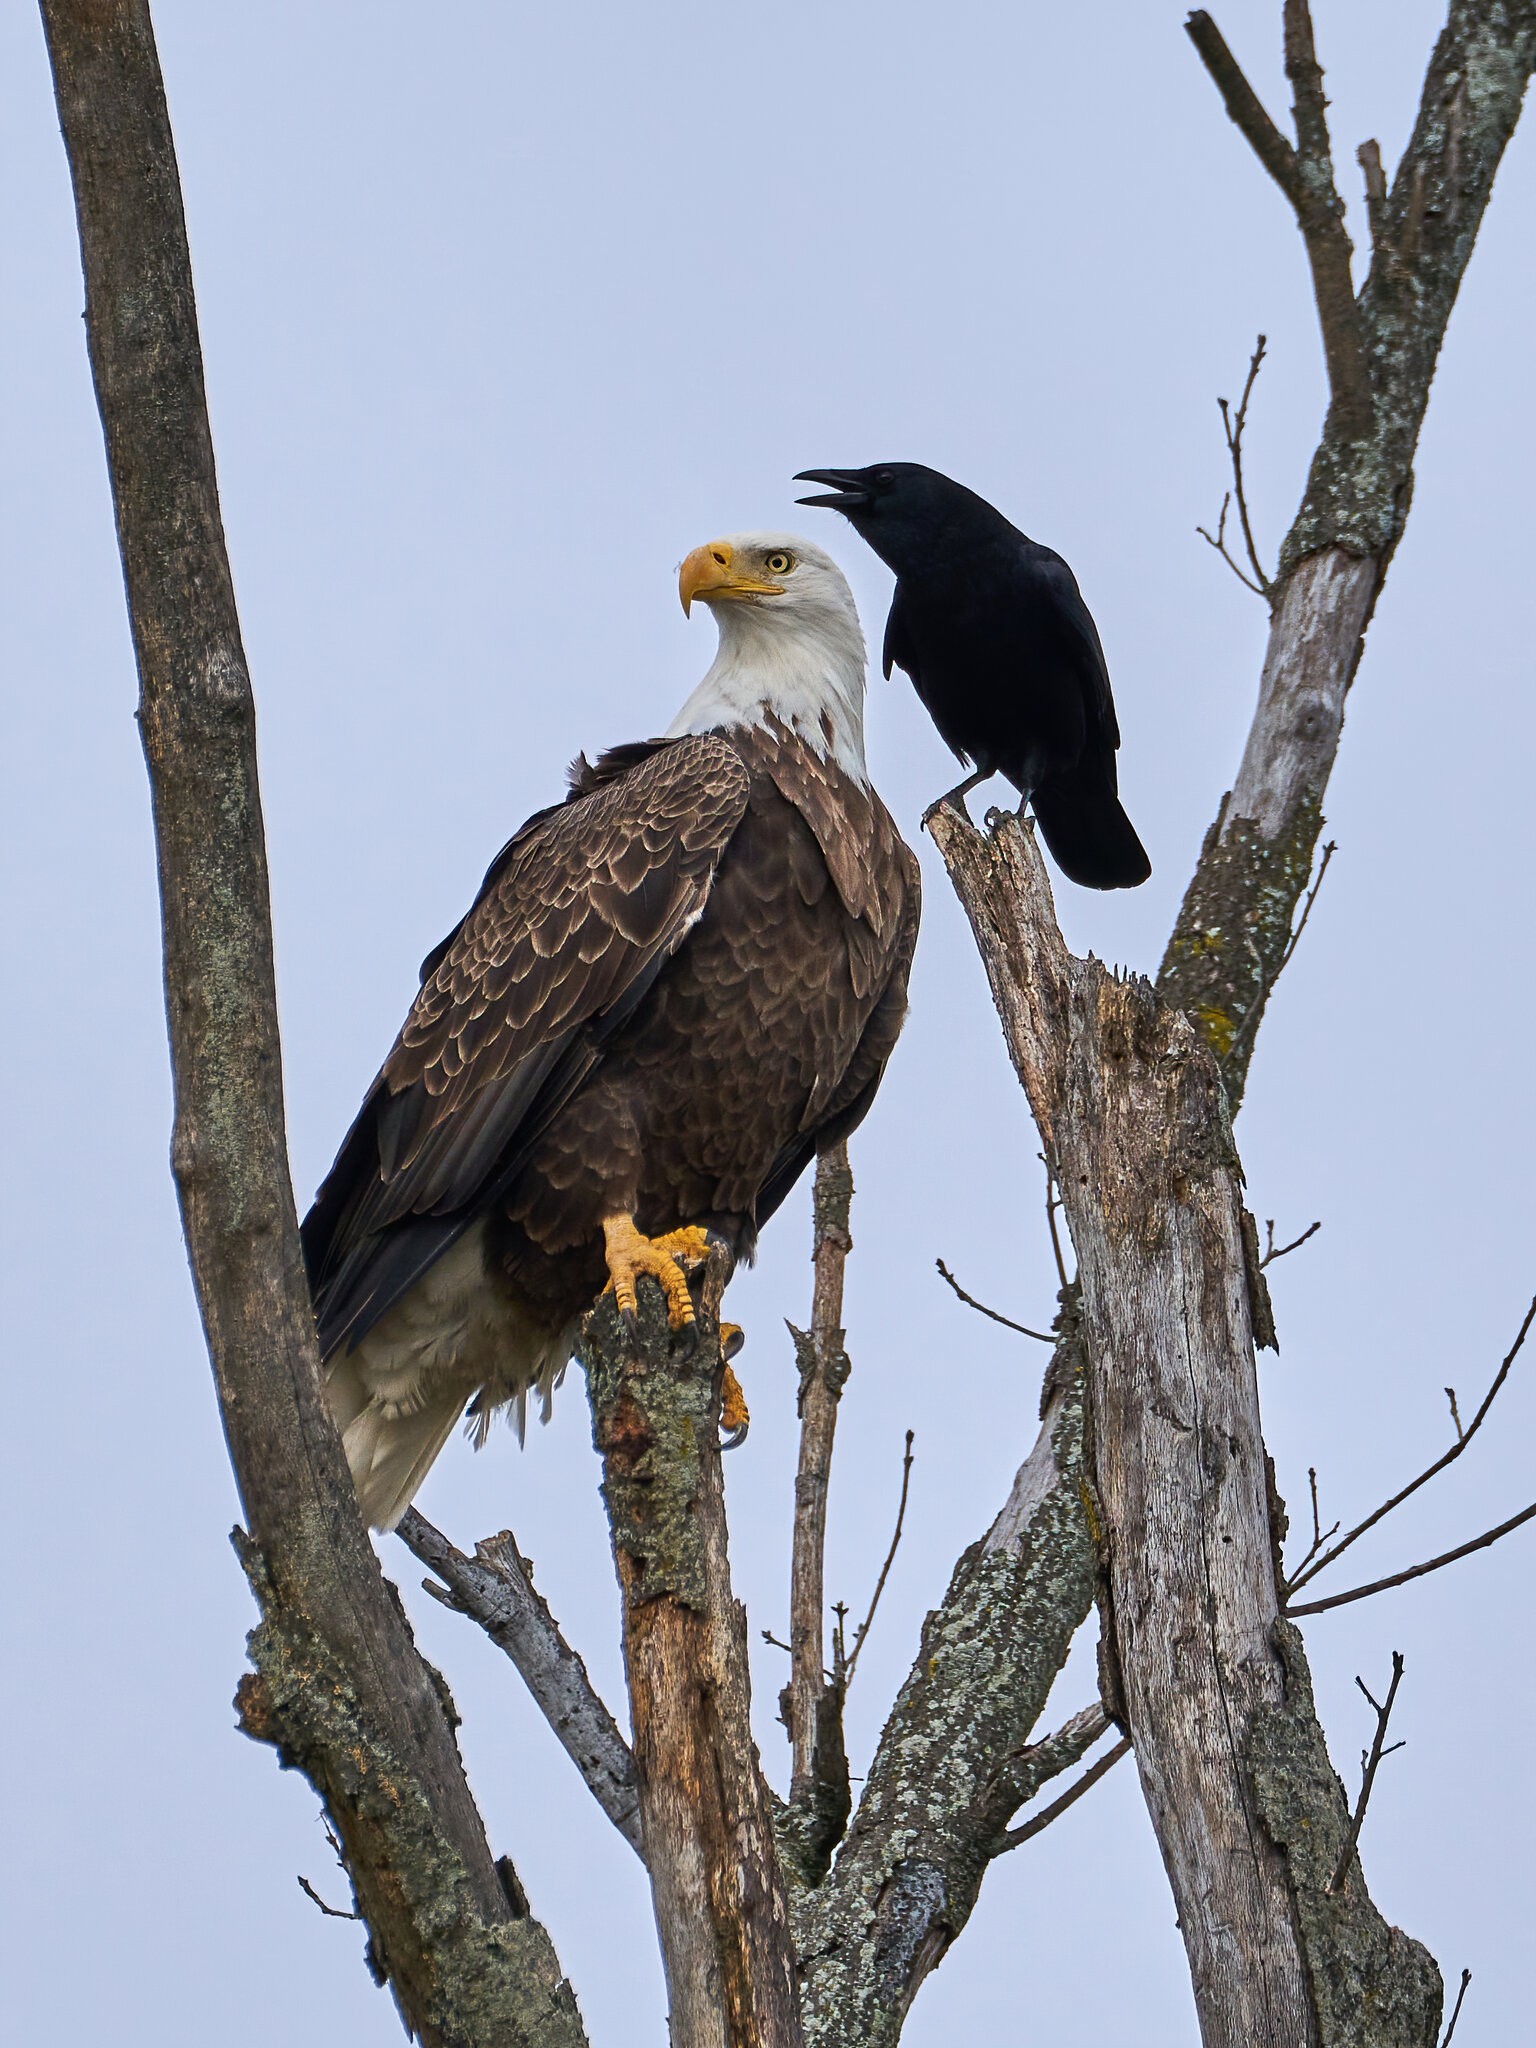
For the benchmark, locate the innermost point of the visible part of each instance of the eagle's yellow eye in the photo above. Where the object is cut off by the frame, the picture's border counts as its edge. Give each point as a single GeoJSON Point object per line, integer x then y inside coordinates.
{"type": "Point", "coordinates": [779, 563]}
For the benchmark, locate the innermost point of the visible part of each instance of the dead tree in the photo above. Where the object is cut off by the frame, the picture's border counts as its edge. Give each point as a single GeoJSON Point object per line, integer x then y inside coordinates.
{"type": "Point", "coordinates": [1147, 1489]}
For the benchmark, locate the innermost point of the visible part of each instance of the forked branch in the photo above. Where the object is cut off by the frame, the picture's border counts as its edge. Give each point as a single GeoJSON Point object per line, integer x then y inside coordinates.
{"type": "Point", "coordinates": [1304, 173]}
{"type": "Point", "coordinates": [1370, 1763]}
{"type": "Point", "coordinates": [495, 1588]}
{"type": "Point", "coordinates": [1232, 426]}
{"type": "Point", "coordinates": [1309, 1570]}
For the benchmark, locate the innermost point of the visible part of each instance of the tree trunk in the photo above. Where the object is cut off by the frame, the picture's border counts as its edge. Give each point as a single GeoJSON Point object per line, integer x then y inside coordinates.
{"type": "Point", "coordinates": [1130, 1104]}
{"type": "Point", "coordinates": [338, 1687]}
{"type": "Point", "coordinates": [705, 1817]}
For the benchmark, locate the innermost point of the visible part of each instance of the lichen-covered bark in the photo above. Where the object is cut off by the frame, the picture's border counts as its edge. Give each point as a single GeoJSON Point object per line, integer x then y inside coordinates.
{"type": "Point", "coordinates": [1372, 1986]}
{"type": "Point", "coordinates": [458, 1977]}
{"type": "Point", "coordinates": [339, 1685]}
{"type": "Point", "coordinates": [1131, 1106]}
{"type": "Point", "coordinates": [706, 1818]}
{"type": "Point", "coordinates": [948, 1773]}
{"type": "Point", "coordinates": [1234, 926]}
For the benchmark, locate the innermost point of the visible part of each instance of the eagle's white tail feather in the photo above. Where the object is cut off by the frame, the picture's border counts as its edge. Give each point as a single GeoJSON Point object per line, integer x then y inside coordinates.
{"type": "Point", "coordinates": [391, 1454]}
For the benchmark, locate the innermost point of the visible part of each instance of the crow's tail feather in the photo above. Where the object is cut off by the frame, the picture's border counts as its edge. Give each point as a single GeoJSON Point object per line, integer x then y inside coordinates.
{"type": "Point", "coordinates": [1085, 828]}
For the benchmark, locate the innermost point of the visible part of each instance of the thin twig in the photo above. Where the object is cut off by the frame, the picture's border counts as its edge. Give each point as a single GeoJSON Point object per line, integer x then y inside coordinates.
{"type": "Point", "coordinates": [1417, 1571]}
{"type": "Point", "coordinates": [1308, 1572]}
{"type": "Point", "coordinates": [1306, 909]}
{"type": "Point", "coordinates": [1445, 2039]}
{"type": "Point", "coordinates": [1052, 1204]}
{"type": "Point", "coordinates": [1319, 1538]}
{"type": "Point", "coordinates": [1042, 1820]}
{"type": "Point", "coordinates": [1218, 539]}
{"type": "Point", "coordinates": [1272, 1251]}
{"type": "Point", "coordinates": [330, 1912]}
{"type": "Point", "coordinates": [1250, 1023]}
{"type": "Point", "coordinates": [1450, 1395]}
{"type": "Point", "coordinates": [1232, 425]}
{"type": "Point", "coordinates": [1040, 1336]}
{"type": "Point", "coordinates": [1371, 1762]}
{"type": "Point", "coordinates": [885, 1570]}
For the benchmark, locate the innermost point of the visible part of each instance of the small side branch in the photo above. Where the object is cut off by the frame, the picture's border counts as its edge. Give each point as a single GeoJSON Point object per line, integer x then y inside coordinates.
{"type": "Point", "coordinates": [1040, 1336]}
{"type": "Point", "coordinates": [330, 1912]}
{"type": "Point", "coordinates": [1371, 1763]}
{"type": "Point", "coordinates": [1445, 2038]}
{"type": "Point", "coordinates": [1309, 1571]}
{"type": "Point", "coordinates": [1304, 173]}
{"type": "Point", "coordinates": [1368, 156]}
{"type": "Point", "coordinates": [1232, 426]}
{"type": "Point", "coordinates": [1273, 1251]}
{"type": "Point", "coordinates": [495, 1588]}
{"type": "Point", "coordinates": [1039, 1822]}
{"type": "Point", "coordinates": [845, 1670]}
{"type": "Point", "coordinates": [1416, 1571]}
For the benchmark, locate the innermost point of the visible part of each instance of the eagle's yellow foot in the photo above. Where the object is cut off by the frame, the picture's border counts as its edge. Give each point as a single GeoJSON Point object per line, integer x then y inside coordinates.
{"type": "Point", "coordinates": [629, 1255]}
{"type": "Point", "coordinates": [734, 1417]}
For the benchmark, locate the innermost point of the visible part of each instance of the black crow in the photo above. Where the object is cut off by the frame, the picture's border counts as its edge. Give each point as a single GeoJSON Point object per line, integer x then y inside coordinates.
{"type": "Point", "coordinates": [993, 631]}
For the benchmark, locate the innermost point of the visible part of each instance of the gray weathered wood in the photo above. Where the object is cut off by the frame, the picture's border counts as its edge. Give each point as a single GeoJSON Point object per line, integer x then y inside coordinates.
{"type": "Point", "coordinates": [951, 1767]}
{"type": "Point", "coordinates": [495, 1588]}
{"type": "Point", "coordinates": [338, 1685]}
{"type": "Point", "coordinates": [1233, 929]}
{"type": "Point", "coordinates": [1130, 1103]}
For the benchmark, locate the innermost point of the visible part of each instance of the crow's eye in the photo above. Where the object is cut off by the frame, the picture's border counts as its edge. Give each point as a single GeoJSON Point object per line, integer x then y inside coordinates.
{"type": "Point", "coordinates": [779, 563]}
{"type": "Point", "coordinates": [884, 476]}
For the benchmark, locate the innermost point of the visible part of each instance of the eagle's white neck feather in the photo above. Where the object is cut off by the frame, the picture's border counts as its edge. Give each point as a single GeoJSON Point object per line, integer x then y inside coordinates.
{"type": "Point", "coordinates": [800, 659]}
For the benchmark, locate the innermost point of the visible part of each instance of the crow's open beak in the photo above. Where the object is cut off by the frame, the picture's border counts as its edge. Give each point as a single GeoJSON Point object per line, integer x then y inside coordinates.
{"type": "Point", "coordinates": [850, 490]}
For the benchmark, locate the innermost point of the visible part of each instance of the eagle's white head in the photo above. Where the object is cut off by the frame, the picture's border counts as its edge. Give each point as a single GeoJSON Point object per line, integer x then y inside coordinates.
{"type": "Point", "coordinates": [790, 644]}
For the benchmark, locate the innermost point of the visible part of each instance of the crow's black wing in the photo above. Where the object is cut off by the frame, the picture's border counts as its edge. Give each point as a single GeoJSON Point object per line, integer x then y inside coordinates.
{"type": "Point", "coordinates": [1058, 587]}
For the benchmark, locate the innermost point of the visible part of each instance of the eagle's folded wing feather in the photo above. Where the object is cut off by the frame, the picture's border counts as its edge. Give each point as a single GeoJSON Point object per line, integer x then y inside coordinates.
{"type": "Point", "coordinates": [574, 922]}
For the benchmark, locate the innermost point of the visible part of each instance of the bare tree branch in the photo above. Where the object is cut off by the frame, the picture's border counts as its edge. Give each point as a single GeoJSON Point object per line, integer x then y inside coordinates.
{"type": "Point", "coordinates": [1368, 156]}
{"type": "Point", "coordinates": [1236, 923]}
{"type": "Point", "coordinates": [338, 1687]}
{"type": "Point", "coordinates": [722, 1910]}
{"type": "Point", "coordinates": [1040, 1336]}
{"type": "Point", "coordinates": [811, 1704]}
{"type": "Point", "coordinates": [1417, 1571]}
{"type": "Point", "coordinates": [846, 1668]}
{"type": "Point", "coordinates": [948, 1770]}
{"type": "Point", "coordinates": [330, 1912]}
{"type": "Point", "coordinates": [1233, 425]}
{"type": "Point", "coordinates": [1273, 1251]}
{"type": "Point", "coordinates": [1179, 1468]}
{"type": "Point", "coordinates": [1305, 176]}
{"type": "Point", "coordinates": [1037, 1825]}
{"type": "Point", "coordinates": [1466, 1979]}
{"type": "Point", "coordinates": [495, 1588]}
{"type": "Point", "coordinates": [1371, 1763]}
{"type": "Point", "coordinates": [1308, 1572]}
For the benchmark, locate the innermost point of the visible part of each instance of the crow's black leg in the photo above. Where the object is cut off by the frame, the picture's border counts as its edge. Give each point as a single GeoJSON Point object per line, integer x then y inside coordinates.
{"type": "Point", "coordinates": [957, 795]}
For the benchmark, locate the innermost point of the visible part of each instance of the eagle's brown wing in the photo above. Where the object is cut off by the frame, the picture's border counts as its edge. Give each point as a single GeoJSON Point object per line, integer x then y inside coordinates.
{"type": "Point", "coordinates": [884, 948]}
{"type": "Point", "coordinates": [576, 919]}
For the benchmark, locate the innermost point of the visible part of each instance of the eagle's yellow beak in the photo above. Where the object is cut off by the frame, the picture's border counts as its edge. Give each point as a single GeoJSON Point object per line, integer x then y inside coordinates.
{"type": "Point", "coordinates": [708, 575]}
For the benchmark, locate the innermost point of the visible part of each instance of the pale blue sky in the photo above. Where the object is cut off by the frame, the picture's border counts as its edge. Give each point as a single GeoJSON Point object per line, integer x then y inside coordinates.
{"type": "Point", "coordinates": [504, 310]}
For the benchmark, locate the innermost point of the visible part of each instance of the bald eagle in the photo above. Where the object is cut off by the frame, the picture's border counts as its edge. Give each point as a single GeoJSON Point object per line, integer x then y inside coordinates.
{"type": "Point", "coordinates": [672, 990]}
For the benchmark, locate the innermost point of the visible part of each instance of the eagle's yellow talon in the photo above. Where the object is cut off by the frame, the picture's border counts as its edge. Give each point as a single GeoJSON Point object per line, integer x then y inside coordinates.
{"type": "Point", "coordinates": [629, 1254]}
{"type": "Point", "coordinates": [735, 1419]}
